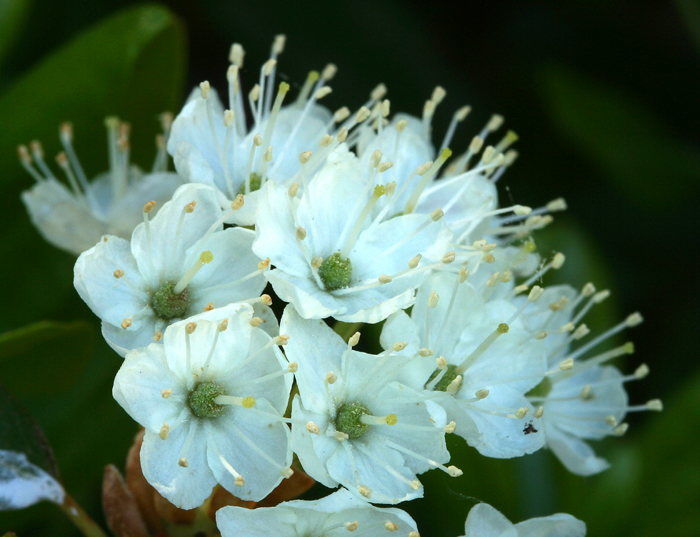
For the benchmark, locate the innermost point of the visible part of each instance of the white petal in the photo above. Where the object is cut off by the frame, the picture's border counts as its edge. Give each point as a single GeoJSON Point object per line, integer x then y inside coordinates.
{"type": "Point", "coordinates": [122, 341]}
{"type": "Point", "coordinates": [485, 521]}
{"type": "Point", "coordinates": [559, 525]}
{"type": "Point", "coordinates": [125, 213]}
{"type": "Point", "coordinates": [317, 350]}
{"type": "Point", "coordinates": [185, 487]}
{"type": "Point", "coordinates": [111, 298]}
{"type": "Point", "coordinates": [226, 438]}
{"type": "Point", "coordinates": [313, 450]}
{"type": "Point", "coordinates": [428, 443]}
{"type": "Point", "coordinates": [385, 487]}
{"type": "Point", "coordinates": [474, 196]}
{"type": "Point", "coordinates": [192, 126]}
{"type": "Point", "coordinates": [286, 149]}
{"type": "Point", "coordinates": [163, 257]}
{"type": "Point", "coordinates": [329, 209]}
{"type": "Point", "coordinates": [400, 327]}
{"type": "Point", "coordinates": [497, 436]}
{"type": "Point", "coordinates": [276, 231]}
{"type": "Point", "coordinates": [61, 219]}
{"type": "Point", "coordinates": [139, 386]}
{"type": "Point", "coordinates": [237, 521]}
{"type": "Point", "coordinates": [220, 281]}
{"type": "Point", "coordinates": [575, 454]}
{"type": "Point", "coordinates": [586, 418]}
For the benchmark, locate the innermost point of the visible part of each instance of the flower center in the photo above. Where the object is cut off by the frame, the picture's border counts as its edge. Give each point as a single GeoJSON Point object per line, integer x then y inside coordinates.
{"type": "Point", "coordinates": [449, 375]}
{"type": "Point", "coordinates": [335, 272]}
{"type": "Point", "coordinates": [201, 400]}
{"type": "Point", "coordinates": [255, 183]}
{"type": "Point", "coordinates": [349, 419]}
{"type": "Point", "coordinates": [167, 304]}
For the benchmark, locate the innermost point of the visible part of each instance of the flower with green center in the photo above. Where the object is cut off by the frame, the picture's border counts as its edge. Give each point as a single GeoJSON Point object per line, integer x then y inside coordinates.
{"type": "Point", "coordinates": [212, 398]}
{"type": "Point", "coordinates": [177, 264]}
{"type": "Point", "coordinates": [202, 400]}
{"type": "Point", "coordinates": [236, 154]}
{"type": "Point", "coordinates": [333, 256]}
{"type": "Point", "coordinates": [486, 360]}
{"type": "Point", "coordinates": [353, 424]}
{"type": "Point", "coordinates": [348, 419]}
{"type": "Point", "coordinates": [335, 272]}
{"type": "Point", "coordinates": [167, 304]}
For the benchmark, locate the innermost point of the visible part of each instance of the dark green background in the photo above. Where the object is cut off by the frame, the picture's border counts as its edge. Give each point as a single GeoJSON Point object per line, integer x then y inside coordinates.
{"type": "Point", "coordinates": [604, 96]}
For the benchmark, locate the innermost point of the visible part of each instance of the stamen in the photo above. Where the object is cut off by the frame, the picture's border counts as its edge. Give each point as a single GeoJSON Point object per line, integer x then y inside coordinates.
{"type": "Point", "coordinates": [205, 258]}
{"type": "Point", "coordinates": [453, 471]}
{"type": "Point", "coordinates": [379, 191]}
{"type": "Point", "coordinates": [418, 190]}
{"type": "Point", "coordinates": [469, 360]}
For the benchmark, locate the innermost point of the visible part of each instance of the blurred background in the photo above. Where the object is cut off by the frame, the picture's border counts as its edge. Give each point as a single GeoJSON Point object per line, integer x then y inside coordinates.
{"type": "Point", "coordinates": [604, 96]}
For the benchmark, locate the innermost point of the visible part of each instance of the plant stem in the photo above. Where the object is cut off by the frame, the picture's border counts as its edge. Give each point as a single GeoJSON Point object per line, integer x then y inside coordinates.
{"type": "Point", "coordinates": [80, 518]}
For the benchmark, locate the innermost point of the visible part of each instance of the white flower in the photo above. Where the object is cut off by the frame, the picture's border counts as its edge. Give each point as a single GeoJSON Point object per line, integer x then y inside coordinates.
{"type": "Point", "coordinates": [468, 198]}
{"type": "Point", "coordinates": [353, 424]}
{"type": "Point", "coordinates": [74, 219]}
{"type": "Point", "coordinates": [485, 521]}
{"type": "Point", "coordinates": [211, 400]}
{"type": "Point", "coordinates": [332, 258]}
{"type": "Point", "coordinates": [336, 514]}
{"type": "Point", "coordinates": [486, 361]}
{"type": "Point", "coordinates": [178, 264]}
{"type": "Point", "coordinates": [581, 399]}
{"type": "Point", "coordinates": [465, 192]}
{"type": "Point", "coordinates": [214, 146]}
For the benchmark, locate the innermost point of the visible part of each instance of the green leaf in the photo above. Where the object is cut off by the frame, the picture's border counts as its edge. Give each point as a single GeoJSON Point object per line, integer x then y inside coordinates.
{"type": "Point", "coordinates": [45, 358]}
{"type": "Point", "coordinates": [20, 433]}
{"type": "Point", "coordinates": [130, 65]}
{"type": "Point", "coordinates": [690, 13]}
{"type": "Point", "coordinates": [13, 15]}
{"type": "Point", "coordinates": [624, 138]}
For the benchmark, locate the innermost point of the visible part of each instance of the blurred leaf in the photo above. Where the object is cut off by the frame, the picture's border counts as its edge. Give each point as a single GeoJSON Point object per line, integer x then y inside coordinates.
{"type": "Point", "coordinates": [652, 487]}
{"type": "Point", "coordinates": [19, 432]}
{"type": "Point", "coordinates": [13, 15]}
{"type": "Point", "coordinates": [88, 430]}
{"type": "Point", "coordinates": [131, 65]}
{"type": "Point", "coordinates": [690, 13]}
{"type": "Point", "coordinates": [47, 357]}
{"type": "Point", "coordinates": [620, 135]}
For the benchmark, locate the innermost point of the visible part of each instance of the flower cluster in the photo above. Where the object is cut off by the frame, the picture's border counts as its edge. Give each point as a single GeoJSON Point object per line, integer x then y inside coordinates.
{"type": "Point", "coordinates": [352, 216]}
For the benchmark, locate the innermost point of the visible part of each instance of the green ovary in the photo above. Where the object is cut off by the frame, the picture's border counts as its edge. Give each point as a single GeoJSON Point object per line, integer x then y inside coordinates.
{"type": "Point", "coordinates": [201, 400]}
{"type": "Point", "coordinates": [335, 272]}
{"type": "Point", "coordinates": [169, 305]}
{"type": "Point", "coordinates": [348, 419]}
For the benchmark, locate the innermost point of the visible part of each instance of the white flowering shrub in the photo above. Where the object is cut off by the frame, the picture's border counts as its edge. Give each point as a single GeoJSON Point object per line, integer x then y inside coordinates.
{"type": "Point", "coordinates": [353, 217]}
